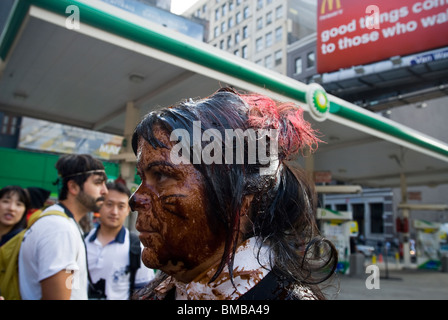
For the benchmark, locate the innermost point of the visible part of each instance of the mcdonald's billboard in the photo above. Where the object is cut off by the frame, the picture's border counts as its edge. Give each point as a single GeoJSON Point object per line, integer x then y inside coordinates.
{"type": "Point", "coordinates": [356, 32]}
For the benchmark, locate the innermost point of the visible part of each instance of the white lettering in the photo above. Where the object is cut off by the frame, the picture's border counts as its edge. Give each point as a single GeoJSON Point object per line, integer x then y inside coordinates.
{"type": "Point", "coordinates": [72, 21]}
{"type": "Point", "coordinates": [373, 281]}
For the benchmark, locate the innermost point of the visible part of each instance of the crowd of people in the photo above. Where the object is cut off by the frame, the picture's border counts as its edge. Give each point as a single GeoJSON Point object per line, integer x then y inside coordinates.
{"type": "Point", "coordinates": [57, 260]}
{"type": "Point", "coordinates": [230, 228]}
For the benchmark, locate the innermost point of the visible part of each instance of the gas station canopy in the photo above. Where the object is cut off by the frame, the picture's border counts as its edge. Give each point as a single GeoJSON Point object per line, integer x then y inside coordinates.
{"type": "Point", "coordinates": [86, 75]}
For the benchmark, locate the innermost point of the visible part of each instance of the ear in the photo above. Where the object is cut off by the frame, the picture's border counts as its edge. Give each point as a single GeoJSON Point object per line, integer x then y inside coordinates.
{"type": "Point", "coordinates": [73, 188]}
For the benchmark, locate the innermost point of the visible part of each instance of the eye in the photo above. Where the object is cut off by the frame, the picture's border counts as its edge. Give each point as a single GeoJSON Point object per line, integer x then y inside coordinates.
{"type": "Point", "coordinates": [160, 176]}
{"type": "Point", "coordinates": [20, 204]}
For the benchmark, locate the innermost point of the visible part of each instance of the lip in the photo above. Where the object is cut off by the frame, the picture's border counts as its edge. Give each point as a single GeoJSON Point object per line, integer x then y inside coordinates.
{"type": "Point", "coordinates": [9, 216]}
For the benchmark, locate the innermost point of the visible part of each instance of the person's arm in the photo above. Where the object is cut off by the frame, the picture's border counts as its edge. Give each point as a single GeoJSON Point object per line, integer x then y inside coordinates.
{"type": "Point", "coordinates": [57, 287]}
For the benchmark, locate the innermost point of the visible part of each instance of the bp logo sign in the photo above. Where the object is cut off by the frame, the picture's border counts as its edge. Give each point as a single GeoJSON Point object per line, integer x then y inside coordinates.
{"type": "Point", "coordinates": [317, 100]}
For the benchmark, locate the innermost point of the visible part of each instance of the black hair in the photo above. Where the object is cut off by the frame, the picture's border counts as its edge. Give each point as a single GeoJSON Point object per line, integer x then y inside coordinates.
{"type": "Point", "coordinates": [284, 203]}
{"type": "Point", "coordinates": [38, 196]}
{"type": "Point", "coordinates": [24, 197]}
{"type": "Point", "coordinates": [77, 167]}
{"type": "Point", "coordinates": [119, 187]}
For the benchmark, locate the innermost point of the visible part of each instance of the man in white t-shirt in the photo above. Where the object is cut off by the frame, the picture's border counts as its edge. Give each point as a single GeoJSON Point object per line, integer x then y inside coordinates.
{"type": "Point", "coordinates": [52, 259]}
{"type": "Point", "coordinates": [108, 250]}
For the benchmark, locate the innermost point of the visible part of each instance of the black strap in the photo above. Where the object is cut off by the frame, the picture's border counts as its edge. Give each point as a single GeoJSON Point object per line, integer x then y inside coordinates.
{"type": "Point", "coordinates": [271, 287]}
{"type": "Point", "coordinates": [134, 260]}
{"type": "Point", "coordinates": [70, 215]}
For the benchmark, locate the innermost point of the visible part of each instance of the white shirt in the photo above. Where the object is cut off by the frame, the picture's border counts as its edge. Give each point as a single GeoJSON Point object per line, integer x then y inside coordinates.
{"type": "Point", "coordinates": [53, 243]}
{"type": "Point", "coordinates": [111, 263]}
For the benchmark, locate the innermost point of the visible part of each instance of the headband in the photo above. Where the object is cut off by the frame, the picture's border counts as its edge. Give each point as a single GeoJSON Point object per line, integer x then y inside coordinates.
{"type": "Point", "coordinates": [84, 172]}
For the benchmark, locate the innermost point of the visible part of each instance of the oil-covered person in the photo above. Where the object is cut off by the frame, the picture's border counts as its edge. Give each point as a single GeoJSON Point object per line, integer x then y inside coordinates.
{"type": "Point", "coordinates": [222, 213]}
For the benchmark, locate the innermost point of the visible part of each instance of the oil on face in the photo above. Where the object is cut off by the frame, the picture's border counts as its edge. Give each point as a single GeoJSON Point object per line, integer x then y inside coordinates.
{"type": "Point", "coordinates": [172, 214]}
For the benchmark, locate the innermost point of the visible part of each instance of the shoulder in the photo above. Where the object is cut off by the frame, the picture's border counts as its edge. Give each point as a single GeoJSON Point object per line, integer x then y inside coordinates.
{"type": "Point", "coordinates": [5, 238]}
{"type": "Point", "coordinates": [53, 223]}
{"type": "Point", "coordinates": [92, 233]}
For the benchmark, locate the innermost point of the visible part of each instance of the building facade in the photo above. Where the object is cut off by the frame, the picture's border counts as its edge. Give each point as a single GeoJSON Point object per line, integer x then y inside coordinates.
{"type": "Point", "coordinates": [256, 30]}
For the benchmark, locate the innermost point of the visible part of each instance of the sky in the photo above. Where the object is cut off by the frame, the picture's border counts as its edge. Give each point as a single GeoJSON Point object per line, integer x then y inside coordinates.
{"type": "Point", "coordinates": [179, 6]}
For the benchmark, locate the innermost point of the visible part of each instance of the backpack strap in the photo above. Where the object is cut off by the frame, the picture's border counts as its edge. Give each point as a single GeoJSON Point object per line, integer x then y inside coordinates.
{"type": "Point", "coordinates": [38, 214]}
{"type": "Point", "coordinates": [134, 260]}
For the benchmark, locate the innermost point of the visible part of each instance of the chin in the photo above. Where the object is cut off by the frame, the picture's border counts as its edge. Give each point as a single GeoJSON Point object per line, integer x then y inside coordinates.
{"type": "Point", "coordinates": [149, 259]}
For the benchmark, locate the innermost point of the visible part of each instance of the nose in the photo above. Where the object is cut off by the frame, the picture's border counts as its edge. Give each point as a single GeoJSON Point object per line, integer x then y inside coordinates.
{"type": "Point", "coordinates": [135, 201]}
{"type": "Point", "coordinates": [12, 206]}
{"type": "Point", "coordinates": [104, 190]}
{"type": "Point", "coordinates": [142, 198]}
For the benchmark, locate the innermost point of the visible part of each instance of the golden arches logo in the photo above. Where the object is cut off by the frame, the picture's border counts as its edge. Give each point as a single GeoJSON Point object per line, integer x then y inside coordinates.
{"type": "Point", "coordinates": [330, 5]}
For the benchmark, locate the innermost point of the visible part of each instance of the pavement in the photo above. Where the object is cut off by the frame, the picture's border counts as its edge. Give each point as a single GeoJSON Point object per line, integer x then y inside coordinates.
{"type": "Point", "coordinates": [395, 282]}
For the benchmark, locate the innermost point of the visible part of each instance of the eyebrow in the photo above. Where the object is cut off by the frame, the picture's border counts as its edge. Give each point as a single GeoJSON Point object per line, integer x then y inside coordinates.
{"type": "Point", "coordinates": [175, 195]}
{"type": "Point", "coordinates": [159, 163]}
{"type": "Point", "coordinates": [99, 177]}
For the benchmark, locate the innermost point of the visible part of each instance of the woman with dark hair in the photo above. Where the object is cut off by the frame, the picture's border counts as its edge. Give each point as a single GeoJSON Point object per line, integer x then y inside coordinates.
{"type": "Point", "coordinates": [14, 203]}
{"type": "Point", "coordinates": [222, 212]}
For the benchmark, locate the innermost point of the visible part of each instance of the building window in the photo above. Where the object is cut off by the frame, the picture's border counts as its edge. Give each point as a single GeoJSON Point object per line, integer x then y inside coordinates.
{"type": "Point", "coordinates": [236, 52]}
{"type": "Point", "coordinates": [238, 2]}
{"type": "Point", "coordinates": [245, 32]}
{"type": "Point", "coordinates": [269, 17]}
{"type": "Point", "coordinates": [376, 217]}
{"type": "Point", "coordinates": [229, 41]}
{"type": "Point", "coordinates": [298, 66]}
{"type": "Point", "coordinates": [9, 125]}
{"type": "Point", "coordinates": [268, 2]}
{"type": "Point", "coordinates": [259, 23]}
{"type": "Point", "coordinates": [216, 32]}
{"type": "Point", "coordinates": [278, 34]}
{"type": "Point", "coordinates": [279, 12]}
{"type": "Point", "coordinates": [238, 17]}
{"type": "Point", "coordinates": [358, 210]}
{"type": "Point", "coordinates": [268, 61]}
{"type": "Point", "coordinates": [221, 44]}
{"type": "Point", "coordinates": [237, 37]}
{"type": "Point", "coordinates": [230, 22]}
{"type": "Point", "coordinates": [224, 9]}
{"type": "Point", "coordinates": [230, 6]}
{"type": "Point", "coordinates": [217, 14]}
{"type": "Point", "coordinates": [244, 52]}
{"type": "Point", "coordinates": [204, 8]}
{"type": "Point", "coordinates": [268, 39]}
{"type": "Point", "coordinates": [278, 57]}
{"type": "Point", "coordinates": [341, 207]}
{"type": "Point", "coordinates": [246, 12]}
{"type": "Point", "coordinates": [259, 62]}
{"type": "Point", "coordinates": [310, 60]}
{"type": "Point", "coordinates": [223, 27]}
{"type": "Point", "coordinates": [259, 44]}
{"type": "Point", "coordinates": [259, 4]}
